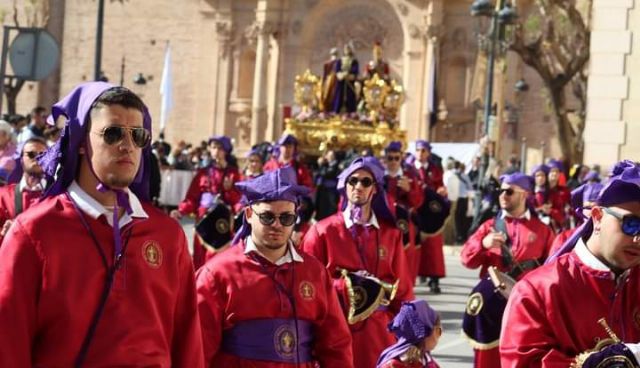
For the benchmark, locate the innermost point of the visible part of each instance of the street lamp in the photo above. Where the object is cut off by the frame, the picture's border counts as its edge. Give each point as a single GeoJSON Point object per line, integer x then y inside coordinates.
{"type": "Point", "coordinates": [501, 15]}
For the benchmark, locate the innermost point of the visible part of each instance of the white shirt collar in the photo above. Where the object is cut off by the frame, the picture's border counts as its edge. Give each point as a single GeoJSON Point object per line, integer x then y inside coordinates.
{"type": "Point", "coordinates": [586, 257]}
{"type": "Point", "coordinates": [22, 186]}
{"type": "Point", "coordinates": [94, 209]}
{"type": "Point", "coordinates": [373, 220]}
{"type": "Point", "coordinates": [395, 174]}
{"type": "Point", "coordinates": [526, 215]}
{"type": "Point", "coordinates": [421, 165]}
{"type": "Point", "coordinates": [250, 246]}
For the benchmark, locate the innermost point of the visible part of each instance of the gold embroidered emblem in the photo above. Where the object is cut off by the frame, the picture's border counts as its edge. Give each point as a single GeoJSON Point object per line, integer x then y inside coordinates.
{"type": "Point", "coordinates": [152, 254]}
{"type": "Point", "coordinates": [474, 304]}
{"type": "Point", "coordinates": [532, 237]}
{"type": "Point", "coordinates": [222, 226]}
{"type": "Point", "coordinates": [359, 297]}
{"type": "Point", "coordinates": [382, 252]}
{"type": "Point", "coordinates": [284, 341]}
{"type": "Point", "coordinates": [403, 225]}
{"type": "Point", "coordinates": [636, 318]}
{"type": "Point", "coordinates": [307, 291]}
{"type": "Point", "coordinates": [435, 206]}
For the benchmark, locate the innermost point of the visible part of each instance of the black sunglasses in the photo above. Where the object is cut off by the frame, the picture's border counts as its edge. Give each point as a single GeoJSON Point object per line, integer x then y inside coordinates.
{"type": "Point", "coordinates": [630, 223]}
{"type": "Point", "coordinates": [32, 154]}
{"type": "Point", "coordinates": [269, 218]}
{"type": "Point", "coordinates": [366, 182]}
{"type": "Point", "coordinates": [115, 134]}
{"type": "Point", "coordinates": [394, 158]}
{"type": "Point", "coordinates": [508, 191]}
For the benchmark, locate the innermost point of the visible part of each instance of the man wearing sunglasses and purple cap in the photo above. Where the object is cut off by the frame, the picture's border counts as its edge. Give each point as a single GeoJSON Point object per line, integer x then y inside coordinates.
{"type": "Point", "coordinates": [515, 242]}
{"type": "Point", "coordinates": [557, 314]}
{"type": "Point", "coordinates": [25, 183]}
{"type": "Point", "coordinates": [286, 155]}
{"type": "Point", "coordinates": [262, 302]}
{"type": "Point", "coordinates": [94, 275]}
{"type": "Point", "coordinates": [363, 238]}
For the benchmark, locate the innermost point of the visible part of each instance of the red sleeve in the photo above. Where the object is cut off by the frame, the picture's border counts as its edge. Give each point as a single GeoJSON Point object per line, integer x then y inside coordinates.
{"type": "Point", "coordinates": [416, 194]}
{"type": "Point", "coordinates": [211, 309]}
{"type": "Point", "coordinates": [333, 338]}
{"type": "Point", "coordinates": [191, 202]}
{"type": "Point", "coordinates": [187, 337]}
{"type": "Point", "coordinates": [314, 244]}
{"type": "Point", "coordinates": [401, 270]}
{"type": "Point", "coordinates": [526, 340]}
{"type": "Point", "coordinates": [304, 176]}
{"type": "Point", "coordinates": [474, 255]}
{"type": "Point", "coordinates": [21, 269]}
{"type": "Point", "coordinates": [233, 195]}
{"type": "Point", "coordinates": [438, 177]}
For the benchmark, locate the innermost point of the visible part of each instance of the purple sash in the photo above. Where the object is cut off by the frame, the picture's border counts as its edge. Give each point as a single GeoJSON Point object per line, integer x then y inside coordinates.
{"type": "Point", "coordinates": [272, 340]}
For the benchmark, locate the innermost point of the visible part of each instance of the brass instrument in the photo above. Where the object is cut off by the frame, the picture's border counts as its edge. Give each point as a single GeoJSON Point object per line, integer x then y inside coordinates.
{"type": "Point", "coordinates": [618, 361]}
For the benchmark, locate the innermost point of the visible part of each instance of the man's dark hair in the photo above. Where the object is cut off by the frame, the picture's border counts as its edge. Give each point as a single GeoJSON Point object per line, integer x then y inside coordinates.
{"type": "Point", "coordinates": [37, 111]}
{"type": "Point", "coordinates": [119, 96]}
{"type": "Point", "coordinates": [116, 96]}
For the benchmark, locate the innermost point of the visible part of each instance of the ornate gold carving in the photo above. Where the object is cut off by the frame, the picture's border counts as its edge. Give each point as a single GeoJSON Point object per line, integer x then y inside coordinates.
{"type": "Point", "coordinates": [336, 132]}
{"type": "Point", "coordinates": [307, 91]}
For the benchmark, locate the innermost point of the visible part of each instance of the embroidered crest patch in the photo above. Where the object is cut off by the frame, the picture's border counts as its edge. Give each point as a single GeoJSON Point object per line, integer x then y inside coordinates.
{"type": "Point", "coordinates": [152, 253]}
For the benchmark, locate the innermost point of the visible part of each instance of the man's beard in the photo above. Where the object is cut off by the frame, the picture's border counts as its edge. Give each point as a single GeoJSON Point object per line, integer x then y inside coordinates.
{"type": "Point", "coordinates": [118, 181]}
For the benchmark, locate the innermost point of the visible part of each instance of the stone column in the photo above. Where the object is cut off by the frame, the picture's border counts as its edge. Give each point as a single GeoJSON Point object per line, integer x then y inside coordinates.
{"type": "Point", "coordinates": [260, 87]}
{"type": "Point", "coordinates": [432, 60]}
{"type": "Point", "coordinates": [605, 127]}
{"type": "Point", "coordinates": [223, 74]}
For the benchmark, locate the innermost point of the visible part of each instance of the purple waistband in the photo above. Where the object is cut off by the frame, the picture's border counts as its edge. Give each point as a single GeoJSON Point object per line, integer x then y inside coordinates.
{"type": "Point", "coordinates": [270, 339]}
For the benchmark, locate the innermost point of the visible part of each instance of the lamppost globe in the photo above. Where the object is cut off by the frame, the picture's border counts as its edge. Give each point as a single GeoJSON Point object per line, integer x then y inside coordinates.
{"type": "Point", "coordinates": [482, 8]}
{"type": "Point", "coordinates": [507, 15]}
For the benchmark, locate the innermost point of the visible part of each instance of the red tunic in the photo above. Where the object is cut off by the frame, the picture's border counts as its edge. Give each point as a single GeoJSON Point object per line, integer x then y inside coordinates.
{"type": "Point", "coordinates": [331, 242]}
{"type": "Point", "coordinates": [559, 240]}
{"type": "Point", "coordinates": [229, 286]}
{"type": "Point", "coordinates": [431, 262]}
{"type": "Point", "coordinates": [8, 202]}
{"type": "Point", "coordinates": [209, 180]}
{"type": "Point", "coordinates": [552, 314]}
{"type": "Point", "coordinates": [530, 239]}
{"type": "Point", "coordinates": [559, 197]}
{"type": "Point", "coordinates": [394, 363]}
{"type": "Point", "coordinates": [51, 280]}
{"type": "Point", "coordinates": [411, 200]}
{"type": "Point", "coordinates": [302, 172]}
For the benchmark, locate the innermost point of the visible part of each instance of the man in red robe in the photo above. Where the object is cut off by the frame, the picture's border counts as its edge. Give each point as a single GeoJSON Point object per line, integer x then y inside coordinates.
{"type": "Point", "coordinates": [25, 186]}
{"type": "Point", "coordinates": [559, 196]}
{"type": "Point", "coordinates": [363, 238]}
{"type": "Point", "coordinates": [297, 320]}
{"type": "Point", "coordinates": [287, 147]}
{"type": "Point", "coordinates": [95, 275]}
{"type": "Point", "coordinates": [404, 195]}
{"type": "Point", "coordinates": [431, 249]}
{"type": "Point", "coordinates": [515, 242]}
{"type": "Point", "coordinates": [553, 317]}
{"type": "Point", "coordinates": [211, 184]}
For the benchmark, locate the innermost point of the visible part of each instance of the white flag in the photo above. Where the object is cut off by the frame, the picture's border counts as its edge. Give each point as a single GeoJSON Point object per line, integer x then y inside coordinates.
{"type": "Point", "coordinates": [166, 89]}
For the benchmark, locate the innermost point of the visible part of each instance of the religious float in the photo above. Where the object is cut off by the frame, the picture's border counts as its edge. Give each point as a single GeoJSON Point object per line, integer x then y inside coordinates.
{"type": "Point", "coordinates": [342, 110]}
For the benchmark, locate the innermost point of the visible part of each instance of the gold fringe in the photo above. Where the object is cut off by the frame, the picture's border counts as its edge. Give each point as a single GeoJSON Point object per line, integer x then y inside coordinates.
{"type": "Point", "coordinates": [479, 345]}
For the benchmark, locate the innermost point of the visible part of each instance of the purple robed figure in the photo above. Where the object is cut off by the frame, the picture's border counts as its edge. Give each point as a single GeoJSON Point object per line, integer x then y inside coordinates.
{"type": "Point", "coordinates": [345, 98]}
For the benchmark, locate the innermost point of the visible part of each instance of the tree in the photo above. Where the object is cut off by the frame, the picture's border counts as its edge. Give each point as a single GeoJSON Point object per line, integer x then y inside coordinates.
{"type": "Point", "coordinates": [553, 39]}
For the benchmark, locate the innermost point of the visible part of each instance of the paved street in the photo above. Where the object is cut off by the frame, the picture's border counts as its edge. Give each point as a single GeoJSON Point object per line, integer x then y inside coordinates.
{"type": "Point", "coordinates": [453, 351]}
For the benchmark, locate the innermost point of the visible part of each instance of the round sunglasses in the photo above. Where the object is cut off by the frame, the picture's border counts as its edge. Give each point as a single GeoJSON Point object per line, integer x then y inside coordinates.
{"type": "Point", "coordinates": [630, 224]}
{"type": "Point", "coordinates": [32, 154]}
{"type": "Point", "coordinates": [268, 218]}
{"type": "Point", "coordinates": [115, 134]}
{"type": "Point", "coordinates": [366, 182]}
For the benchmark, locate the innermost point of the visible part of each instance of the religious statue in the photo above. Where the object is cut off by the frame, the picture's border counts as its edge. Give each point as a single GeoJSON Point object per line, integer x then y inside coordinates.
{"type": "Point", "coordinates": [377, 65]}
{"type": "Point", "coordinates": [329, 81]}
{"type": "Point", "coordinates": [346, 94]}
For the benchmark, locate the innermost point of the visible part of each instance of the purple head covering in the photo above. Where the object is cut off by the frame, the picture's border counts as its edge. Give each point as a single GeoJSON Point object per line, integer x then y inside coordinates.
{"type": "Point", "coordinates": [584, 195]}
{"type": "Point", "coordinates": [591, 176]}
{"type": "Point", "coordinates": [422, 144]}
{"type": "Point", "coordinates": [287, 139]}
{"type": "Point", "coordinates": [394, 146]}
{"type": "Point", "coordinates": [379, 201]}
{"type": "Point", "coordinates": [411, 325]}
{"type": "Point", "coordinates": [525, 182]}
{"type": "Point", "coordinates": [555, 164]}
{"type": "Point", "coordinates": [277, 185]}
{"type": "Point", "coordinates": [60, 163]}
{"type": "Point", "coordinates": [16, 174]}
{"type": "Point", "coordinates": [224, 141]}
{"type": "Point", "coordinates": [544, 168]}
{"type": "Point", "coordinates": [623, 187]}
